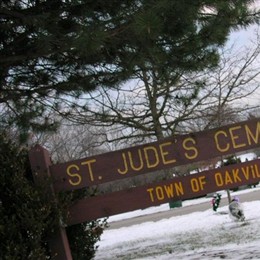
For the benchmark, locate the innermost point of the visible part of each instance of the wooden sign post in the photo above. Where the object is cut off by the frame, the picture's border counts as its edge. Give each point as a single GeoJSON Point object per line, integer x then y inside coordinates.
{"type": "Point", "coordinates": [40, 164]}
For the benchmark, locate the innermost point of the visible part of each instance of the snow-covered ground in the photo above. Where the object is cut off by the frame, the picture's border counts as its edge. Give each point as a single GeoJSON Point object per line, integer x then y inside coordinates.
{"type": "Point", "coordinates": [199, 235]}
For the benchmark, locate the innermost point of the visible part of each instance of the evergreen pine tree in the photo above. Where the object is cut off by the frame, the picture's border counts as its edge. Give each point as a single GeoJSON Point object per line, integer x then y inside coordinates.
{"type": "Point", "coordinates": [53, 48]}
{"type": "Point", "coordinates": [28, 216]}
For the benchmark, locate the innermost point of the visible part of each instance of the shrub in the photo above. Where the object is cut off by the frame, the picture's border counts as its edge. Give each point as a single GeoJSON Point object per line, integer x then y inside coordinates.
{"type": "Point", "coordinates": [28, 216]}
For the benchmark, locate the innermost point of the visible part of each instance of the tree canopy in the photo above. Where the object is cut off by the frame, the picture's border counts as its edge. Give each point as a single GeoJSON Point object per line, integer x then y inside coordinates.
{"type": "Point", "coordinates": [146, 109]}
{"type": "Point", "coordinates": [52, 49]}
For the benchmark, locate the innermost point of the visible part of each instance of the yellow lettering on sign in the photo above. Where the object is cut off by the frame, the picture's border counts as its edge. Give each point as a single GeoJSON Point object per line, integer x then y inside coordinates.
{"type": "Point", "coordinates": [141, 163]}
{"type": "Point", "coordinates": [257, 171]}
{"type": "Point", "coordinates": [166, 191]}
{"type": "Point", "coordinates": [151, 149]}
{"type": "Point", "coordinates": [218, 179]}
{"type": "Point", "coordinates": [88, 163]}
{"type": "Point", "coordinates": [235, 137]}
{"type": "Point", "coordinates": [125, 170]}
{"type": "Point", "coordinates": [143, 160]}
{"type": "Point", "coordinates": [217, 136]}
{"type": "Point", "coordinates": [159, 193]}
{"type": "Point", "coordinates": [75, 175]}
{"type": "Point", "coordinates": [251, 170]}
{"type": "Point", "coordinates": [228, 178]}
{"type": "Point", "coordinates": [188, 145]}
{"type": "Point", "coordinates": [169, 190]}
{"type": "Point", "coordinates": [151, 194]}
{"type": "Point", "coordinates": [252, 137]}
{"type": "Point", "coordinates": [235, 175]}
{"type": "Point", "coordinates": [233, 133]}
{"type": "Point", "coordinates": [245, 171]}
{"type": "Point", "coordinates": [177, 187]}
{"type": "Point", "coordinates": [197, 184]}
{"type": "Point", "coordinates": [164, 153]}
{"type": "Point", "coordinates": [73, 171]}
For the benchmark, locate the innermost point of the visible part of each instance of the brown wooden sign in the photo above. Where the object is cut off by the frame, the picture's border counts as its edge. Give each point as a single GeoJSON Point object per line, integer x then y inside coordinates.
{"type": "Point", "coordinates": [178, 188]}
{"type": "Point", "coordinates": [168, 153]}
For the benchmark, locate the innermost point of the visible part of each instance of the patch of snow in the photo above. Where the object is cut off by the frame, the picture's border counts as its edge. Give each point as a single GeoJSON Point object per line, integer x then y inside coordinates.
{"type": "Point", "coordinates": [199, 235]}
